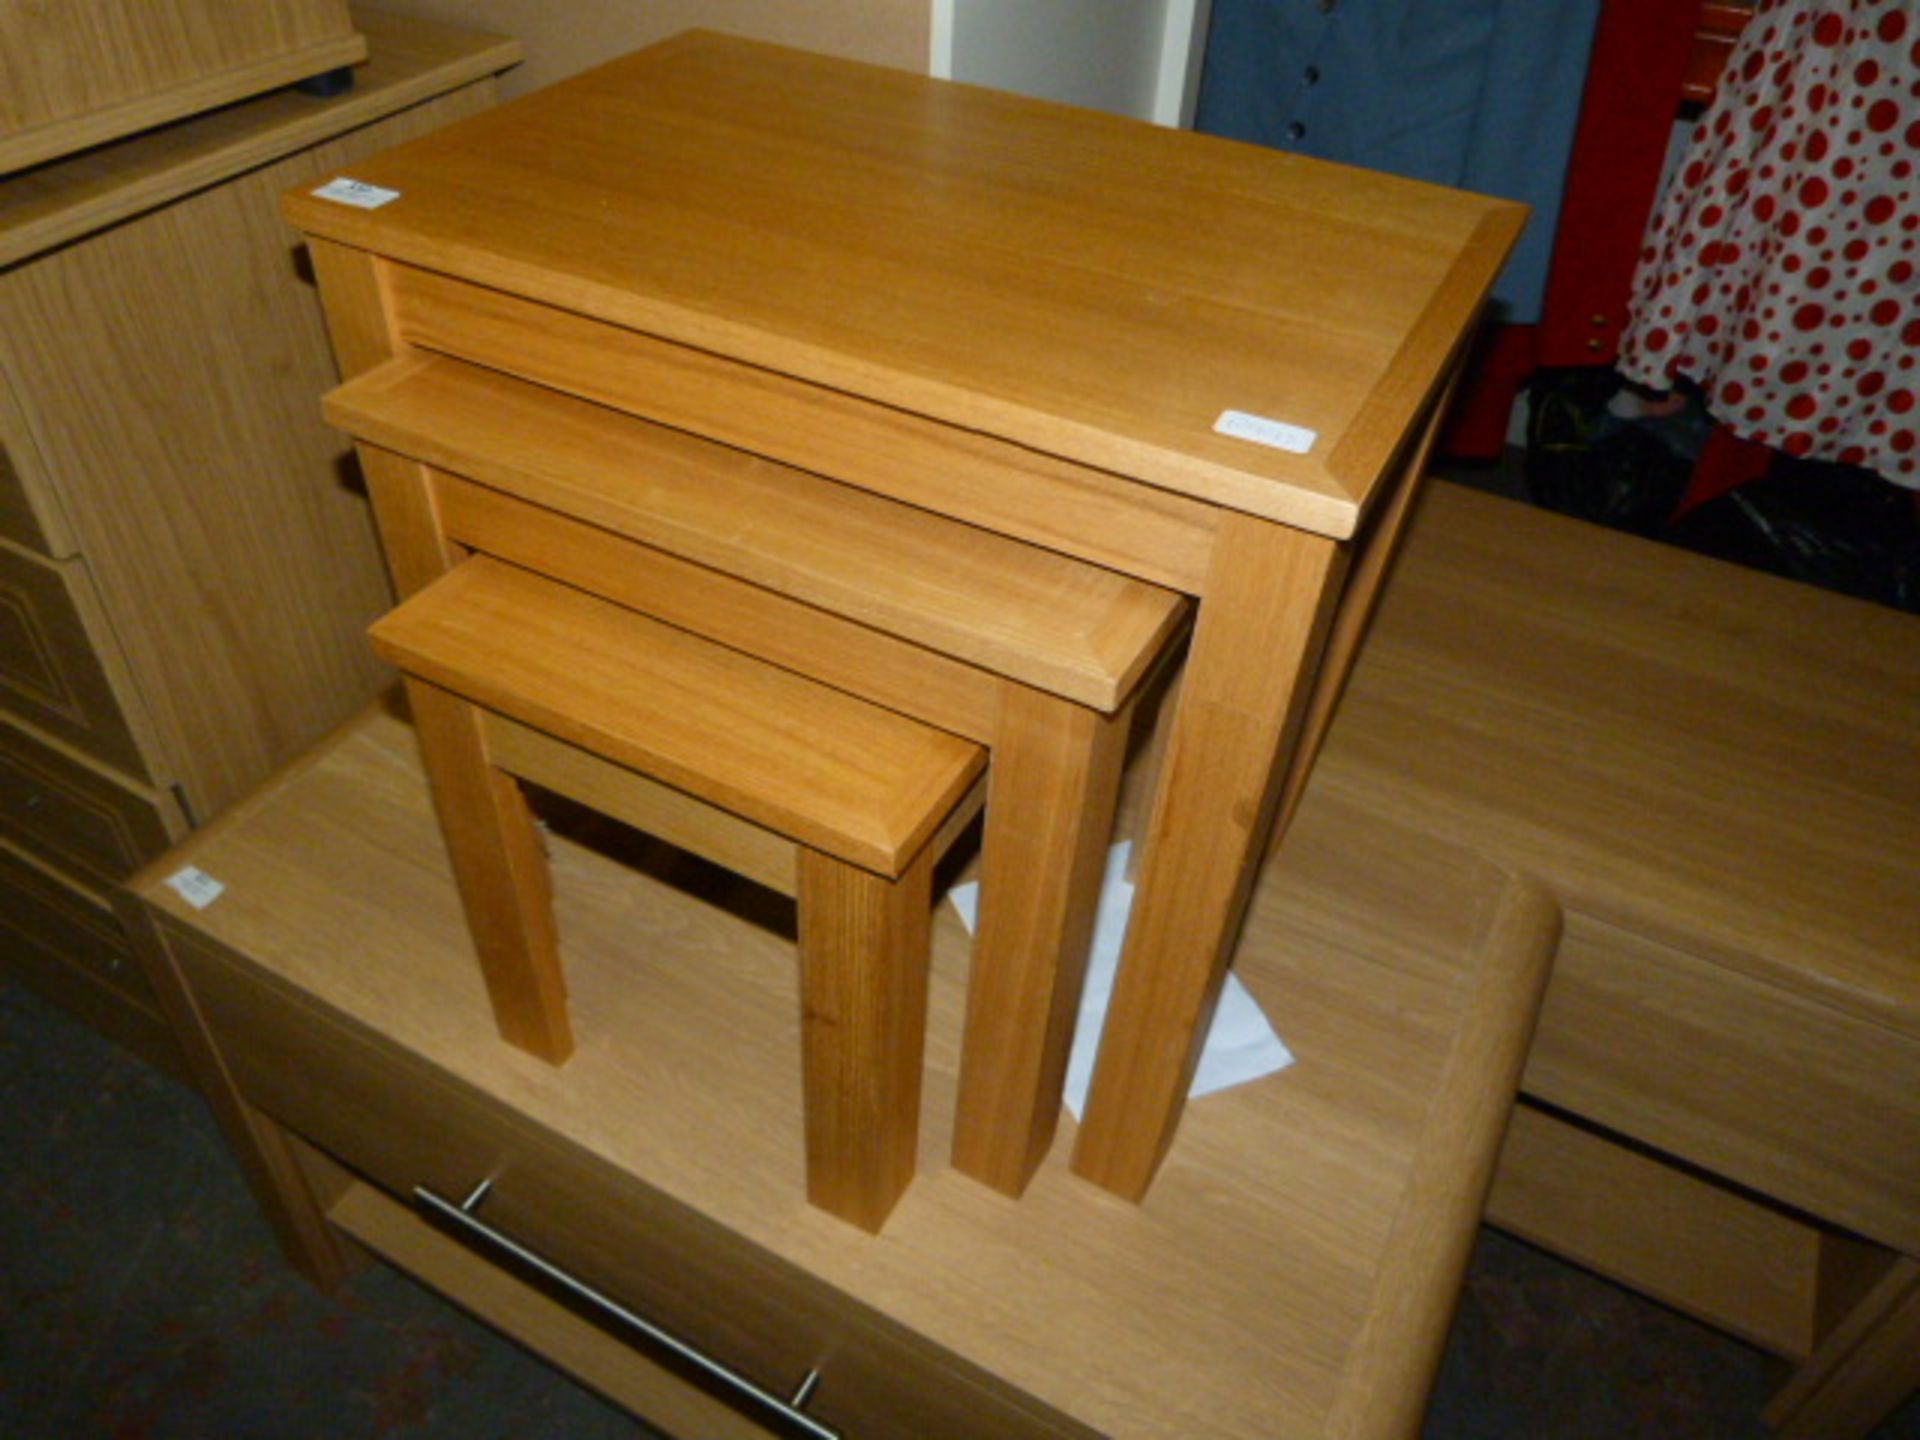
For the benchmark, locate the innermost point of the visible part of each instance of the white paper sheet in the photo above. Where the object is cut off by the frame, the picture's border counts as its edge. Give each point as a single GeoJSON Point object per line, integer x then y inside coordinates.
{"type": "Point", "coordinates": [1241, 1046]}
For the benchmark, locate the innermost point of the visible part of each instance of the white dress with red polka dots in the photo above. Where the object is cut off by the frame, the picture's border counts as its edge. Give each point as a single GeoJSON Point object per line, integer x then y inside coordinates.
{"type": "Point", "coordinates": [1779, 270]}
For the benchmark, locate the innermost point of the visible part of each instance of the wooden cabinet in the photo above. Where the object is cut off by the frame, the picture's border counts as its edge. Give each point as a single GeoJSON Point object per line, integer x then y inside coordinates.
{"type": "Point", "coordinates": [1718, 774]}
{"type": "Point", "coordinates": [79, 74]}
{"type": "Point", "coordinates": [185, 565]}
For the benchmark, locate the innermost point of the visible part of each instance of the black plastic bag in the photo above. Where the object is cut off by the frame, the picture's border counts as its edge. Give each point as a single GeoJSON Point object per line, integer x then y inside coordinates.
{"type": "Point", "coordinates": [1833, 526]}
{"type": "Point", "coordinates": [1582, 460]}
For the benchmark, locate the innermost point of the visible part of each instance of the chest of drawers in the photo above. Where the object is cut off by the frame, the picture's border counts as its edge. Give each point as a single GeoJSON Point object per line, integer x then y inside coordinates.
{"type": "Point", "coordinates": [184, 571]}
{"type": "Point", "coordinates": [72, 76]}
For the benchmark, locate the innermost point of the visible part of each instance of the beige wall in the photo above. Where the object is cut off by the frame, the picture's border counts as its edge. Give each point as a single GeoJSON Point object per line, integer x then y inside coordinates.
{"type": "Point", "coordinates": [563, 36]}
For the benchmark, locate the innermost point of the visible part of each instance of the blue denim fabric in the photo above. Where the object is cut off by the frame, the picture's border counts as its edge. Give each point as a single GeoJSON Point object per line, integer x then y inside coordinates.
{"type": "Point", "coordinates": [1480, 94]}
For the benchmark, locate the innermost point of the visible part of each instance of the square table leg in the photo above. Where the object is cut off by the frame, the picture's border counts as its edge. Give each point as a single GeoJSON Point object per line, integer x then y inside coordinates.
{"type": "Point", "coordinates": [1866, 1366]}
{"type": "Point", "coordinates": [864, 946]}
{"type": "Point", "coordinates": [1263, 623]}
{"type": "Point", "coordinates": [1281, 620]}
{"type": "Point", "coordinates": [1052, 787]}
{"type": "Point", "coordinates": [501, 871]}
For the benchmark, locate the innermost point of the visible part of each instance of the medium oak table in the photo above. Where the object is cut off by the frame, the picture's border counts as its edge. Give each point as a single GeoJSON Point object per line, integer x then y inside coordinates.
{"type": "Point", "coordinates": [1204, 365]}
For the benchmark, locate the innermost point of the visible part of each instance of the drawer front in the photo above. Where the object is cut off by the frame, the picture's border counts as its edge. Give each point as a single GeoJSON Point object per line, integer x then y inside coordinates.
{"type": "Point", "coordinates": [1812, 1107]}
{"type": "Point", "coordinates": [403, 1123]}
{"type": "Point", "coordinates": [51, 671]}
{"type": "Point", "coordinates": [70, 947]}
{"type": "Point", "coordinates": [83, 818]}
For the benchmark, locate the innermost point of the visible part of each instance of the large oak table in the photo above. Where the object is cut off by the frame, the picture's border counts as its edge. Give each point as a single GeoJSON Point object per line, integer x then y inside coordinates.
{"type": "Point", "coordinates": [1205, 365]}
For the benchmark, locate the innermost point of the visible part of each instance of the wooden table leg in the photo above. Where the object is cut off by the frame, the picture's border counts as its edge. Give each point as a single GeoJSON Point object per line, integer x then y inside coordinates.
{"type": "Point", "coordinates": [500, 871]}
{"type": "Point", "coordinates": [1052, 787]}
{"type": "Point", "coordinates": [497, 861]}
{"type": "Point", "coordinates": [1263, 622]}
{"type": "Point", "coordinates": [1372, 556]}
{"type": "Point", "coordinates": [864, 948]}
{"type": "Point", "coordinates": [404, 508]}
{"type": "Point", "coordinates": [1868, 1365]}
{"type": "Point", "coordinates": [265, 1151]}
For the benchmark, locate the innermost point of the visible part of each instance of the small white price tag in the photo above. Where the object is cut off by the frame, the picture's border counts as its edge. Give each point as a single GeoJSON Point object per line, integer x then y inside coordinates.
{"type": "Point", "coordinates": [195, 886]}
{"type": "Point", "coordinates": [357, 193]}
{"type": "Point", "coordinates": [1275, 434]}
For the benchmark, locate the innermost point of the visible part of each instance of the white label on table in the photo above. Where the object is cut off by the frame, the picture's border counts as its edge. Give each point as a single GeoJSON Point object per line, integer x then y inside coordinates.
{"type": "Point", "coordinates": [196, 887]}
{"type": "Point", "coordinates": [1276, 434]}
{"type": "Point", "coordinates": [356, 193]}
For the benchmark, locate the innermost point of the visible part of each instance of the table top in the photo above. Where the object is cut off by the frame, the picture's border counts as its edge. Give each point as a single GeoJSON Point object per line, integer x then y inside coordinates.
{"type": "Point", "coordinates": [1095, 288]}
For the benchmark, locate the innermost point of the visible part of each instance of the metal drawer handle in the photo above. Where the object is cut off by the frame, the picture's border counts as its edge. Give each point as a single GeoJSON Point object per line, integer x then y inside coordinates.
{"type": "Point", "coordinates": [461, 1217]}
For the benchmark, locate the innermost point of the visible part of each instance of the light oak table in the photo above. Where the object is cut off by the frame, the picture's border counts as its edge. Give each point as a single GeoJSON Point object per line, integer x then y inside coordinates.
{"type": "Point", "coordinates": [184, 576]}
{"type": "Point", "coordinates": [1292, 1274]}
{"type": "Point", "coordinates": [1717, 774]}
{"type": "Point", "coordinates": [842, 806]}
{"type": "Point", "coordinates": [1037, 320]}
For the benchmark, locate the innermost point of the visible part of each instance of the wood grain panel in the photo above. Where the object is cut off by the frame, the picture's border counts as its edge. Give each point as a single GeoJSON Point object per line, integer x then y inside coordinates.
{"type": "Point", "coordinates": [100, 825]}
{"type": "Point", "coordinates": [58, 202]}
{"type": "Point", "coordinates": [87, 71]}
{"type": "Point", "coordinates": [816, 764]}
{"type": "Point", "coordinates": [1706, 1250]}
{"type": "Point", "coordinates": [331, 1079]}
{"type": "Point", "coordinates": [1803, 1102]}
{"type": "Point", "coordinates": [667, 814]}
{"type": "Point", "coordinates": [240, 570]}
{"type": "Point", "coordinates": [1038, 617]}
{"type": "Point", "coordinates": [837, 652]}
{"type": "Point", "coordinates": [1723, 761]}
{"type": "Point", "coordinates": [1091, 288]}
{"type": "Point", "coordinates": [963, 473]}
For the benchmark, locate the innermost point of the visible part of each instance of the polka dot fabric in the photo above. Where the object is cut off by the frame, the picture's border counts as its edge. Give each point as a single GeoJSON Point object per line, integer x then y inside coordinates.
{"type": "Point", "coordinates": [1781, 271]}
